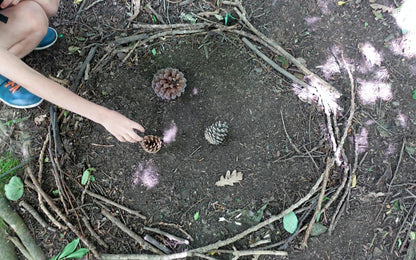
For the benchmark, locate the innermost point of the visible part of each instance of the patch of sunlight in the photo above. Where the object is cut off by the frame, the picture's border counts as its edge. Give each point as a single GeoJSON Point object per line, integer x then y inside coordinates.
{"type": "Point", "coordinates": [370, 91]}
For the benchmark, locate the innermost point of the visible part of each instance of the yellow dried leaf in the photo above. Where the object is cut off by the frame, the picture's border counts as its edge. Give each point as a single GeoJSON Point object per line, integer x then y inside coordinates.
{"type": "Point", "coordinates": [341, 3]}
{"type": "Point", "coordinates": [354, 181]}
{"type": "Point", "coordinates": [77, 2]}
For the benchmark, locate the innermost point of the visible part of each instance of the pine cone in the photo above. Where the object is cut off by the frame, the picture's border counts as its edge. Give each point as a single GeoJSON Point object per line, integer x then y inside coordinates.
{"type": "Point", "coordinates": [151, 143]}
{"type": "Point", "coordinates": [216, 133]}
{"type": "Point", "coordinates": [169, 83]}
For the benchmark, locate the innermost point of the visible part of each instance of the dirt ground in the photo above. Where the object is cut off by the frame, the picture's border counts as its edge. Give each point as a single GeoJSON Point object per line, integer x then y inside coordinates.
{"type": "Point", "coordinates": [227, 82]}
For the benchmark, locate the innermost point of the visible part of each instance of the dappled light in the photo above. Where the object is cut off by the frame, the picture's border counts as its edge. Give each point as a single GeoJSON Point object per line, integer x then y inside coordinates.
{"type": "Point", "coordinates": [362, 140]}
{"type": "Point", "coordinates": [406, 20]}
{"type": "Point", "coordinates": [372, 56]}
{"type": "Point", "coordinates": [370, 91]}
{"type": "Point", "coordinates": [146, 175]}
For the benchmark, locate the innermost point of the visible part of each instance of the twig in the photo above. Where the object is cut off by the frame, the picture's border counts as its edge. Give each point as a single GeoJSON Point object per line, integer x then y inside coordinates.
{"type": "Point", "coordinates": [393, 245]}
{"type": "Point", "coordinates": [93, 4]}
{"type": "Point", "coordinates": [48, 199]}
{"type": "Point", "coordinates": [412, 222]}
{"type": "Point", "coordinates": [80, 75]}
{"type": "Point", "coordinates": [16, 242]}
{"type": "Point", "coordinates": [170, 236]}
{"type": "Point", "coordinates": [394, 175]}
{"type": "Point", "coordinates": [10, 216]}
{"type": "Point", "coordinates": [157, 244]}
{"type": "Point", "coordinates": [36, 215]}
{"type": "Point", "coordinates": [133, 212]}
{"type": "Point", "coordinates": [20, 165]}
{"type": "Point", "coordinates": [159, 18]}
{"type": "Point", "coordinates": [228, 241]}
{"type": "Point", "coordinates": [41, 157]}
{"type": "Point", "coordinates": [284, 53]}
{"type": "Point", "coordinates": [188, 236]}
{"type": "Point", "coordinates": [145, 245]}
{"type": "Point", "coordinates": [80, 10]}
{"type": "Point", "coordinates": [273, 64]}
{"type": "Point", "coordinates": [56, 176]}
{"type": "Point", "coordinates": [93, 233]}
{"type": "Point", "coordinates": [336, 154]}
{"type": "Point", "coordinates": [158, 35]}
{"type": "Point", "coordinates": [330, 163]}
{"type": "Point", "coordinates": [238, 254]}
{"type": "Point", "coordinates": [55, 130]}
{"type": "Point", "coordinates": [287, 135]}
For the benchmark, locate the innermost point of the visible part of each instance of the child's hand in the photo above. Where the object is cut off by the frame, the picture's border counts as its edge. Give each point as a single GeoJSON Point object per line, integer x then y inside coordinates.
{"type": "Point", "coordinates": [122, 127]}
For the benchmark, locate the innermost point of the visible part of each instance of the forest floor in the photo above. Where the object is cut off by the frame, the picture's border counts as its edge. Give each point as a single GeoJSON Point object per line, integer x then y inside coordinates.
{"type": "Point", "coordinates": [278, 142]}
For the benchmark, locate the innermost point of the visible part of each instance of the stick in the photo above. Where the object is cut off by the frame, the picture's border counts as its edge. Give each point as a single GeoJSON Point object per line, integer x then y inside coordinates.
{"type": "Point", "coordinates": [188, 236]}
{"type": "Point", "coordinates": [36, 215]}
{"type": "Point", "coordinates": [93, 233]}
{"type": "Point", "coordinates": [284, 53]}
{"type": "Point", "coordinates": [145, 245]}
{"type": "Point", "coordinates": [158, 35]}
{"type": "Point", "coordinates": [273, 64]}
{"type": "Point", "coordinates": [287, 135]}
{"type": "Point", "coordinates": [48, 199]}
{"type": "Point", "coordinates": [157, 244]}
{"type": "Point", "coordinates": [10, 216]}
{"type": "Point", "coordinates": [21, 247]}
{"type": "Point", "coordinates": [170, 236]}
{"type": "Point", "coordinates": [77, 81]}
{"type": "Point", "coordinates": [133, 212]}
{"type": "Point", "coordinates": [159, 18]}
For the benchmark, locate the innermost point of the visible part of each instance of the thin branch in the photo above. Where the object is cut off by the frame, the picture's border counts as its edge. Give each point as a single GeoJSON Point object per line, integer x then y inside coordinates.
{"type": "Point", "coordinates": [144, 244]}
{"type": "Point", "coordinates": [97, 196]}
{"type": "Point", "coordinates": [36, 215]}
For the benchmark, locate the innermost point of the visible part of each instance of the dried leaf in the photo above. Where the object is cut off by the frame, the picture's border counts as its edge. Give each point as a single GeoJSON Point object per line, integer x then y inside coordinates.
{"type": "Point", "coordinates": [383, 8]}
{"type": "Point", "coordinates": [230, 178]}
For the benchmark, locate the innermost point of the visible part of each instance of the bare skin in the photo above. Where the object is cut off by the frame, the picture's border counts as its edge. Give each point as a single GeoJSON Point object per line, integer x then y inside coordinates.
{"type": "Point", "coordinates": [26, 26]}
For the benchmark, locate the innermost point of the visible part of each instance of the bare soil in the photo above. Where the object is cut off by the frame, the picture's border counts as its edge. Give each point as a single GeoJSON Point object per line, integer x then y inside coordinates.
{"type": "Point", "coordinates": [227, 82]}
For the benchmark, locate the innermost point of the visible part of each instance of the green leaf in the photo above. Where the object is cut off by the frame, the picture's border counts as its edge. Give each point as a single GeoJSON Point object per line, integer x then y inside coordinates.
{"type": "Point", "coordinates": [399, 243]}
{"type": "Point", "coordinates": [259, 214]}
{"type": "Point", "coordinates": [196, 216]}
{"type": "Point", "coordinates": [290, 222]}
{"type": "Point", "coordinates": [154, 52]}
{"type": "Point", "coordinates": [55, 192]}
{"type": "Point", "coordinates": [86, 175]}
{"type": "Point", "coordinates": [73, 49]}
{"type": "Point", "coordinates": [69, 249]}
{"type": "Point", "coordinates": [318, 229]}
{"type": "Point", "coordinates": [412, 235]}
{"type": "Point", "coordinates": [414, 94]}
{"type": "Point", "coordinates": [410, 150]}
{"type": "Point", "coordinates": [78, 254]}
{"type": "Point", "coordinates": [14, 189]}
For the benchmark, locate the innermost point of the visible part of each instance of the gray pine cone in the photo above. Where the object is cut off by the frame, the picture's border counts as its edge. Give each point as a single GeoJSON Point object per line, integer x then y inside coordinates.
{"type": "Point", "coordinates": [151, 143]}
{"type": "Point", "coordinates": [216, 133]}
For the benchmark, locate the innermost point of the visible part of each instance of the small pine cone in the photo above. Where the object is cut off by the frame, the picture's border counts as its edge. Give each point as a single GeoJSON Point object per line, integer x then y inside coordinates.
{"type": "Point", "coordinates": [169, 83]}
{"type": "Point", "coordinates": [216, 133]}
{"type": "Point", "coordinates": [151, 143]}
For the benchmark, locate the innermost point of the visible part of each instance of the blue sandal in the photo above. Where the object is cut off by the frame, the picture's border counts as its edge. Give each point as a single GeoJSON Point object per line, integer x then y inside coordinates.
{"type": "Point", "coordinates": [49, 39]}
{"type": "Point", "coordinates": [16, 96]}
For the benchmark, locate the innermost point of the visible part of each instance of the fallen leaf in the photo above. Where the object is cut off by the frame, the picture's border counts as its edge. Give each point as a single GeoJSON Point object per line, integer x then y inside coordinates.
{"type": "Point", "coordinates": [354, 181]}
{"type": "Point", "coordinates": [383, 8]}
{"type": "Point", "coordinates": [341, 3]}
{"type": "Point", "coordinates": [230, 178]}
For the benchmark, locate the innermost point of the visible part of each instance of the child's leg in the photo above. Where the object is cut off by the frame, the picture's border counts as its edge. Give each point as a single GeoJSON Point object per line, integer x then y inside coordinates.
{"type": "Point", "coordinates": [25, 28]}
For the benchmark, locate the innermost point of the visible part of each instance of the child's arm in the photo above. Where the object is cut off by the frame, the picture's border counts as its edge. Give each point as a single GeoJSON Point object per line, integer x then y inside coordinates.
{"type": "Point", "coordinates": [118, 125]}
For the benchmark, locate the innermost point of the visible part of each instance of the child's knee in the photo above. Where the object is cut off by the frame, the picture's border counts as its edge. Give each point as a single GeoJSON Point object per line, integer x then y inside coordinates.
{"type": "Point", "coordinates": [34, 18]}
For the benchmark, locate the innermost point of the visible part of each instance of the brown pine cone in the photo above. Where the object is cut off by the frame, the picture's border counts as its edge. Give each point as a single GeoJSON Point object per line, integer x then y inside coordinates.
{"type": "Point", "coordinates": [169, 83]}
{"type": "Point", "coordinates": [151, 143]}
